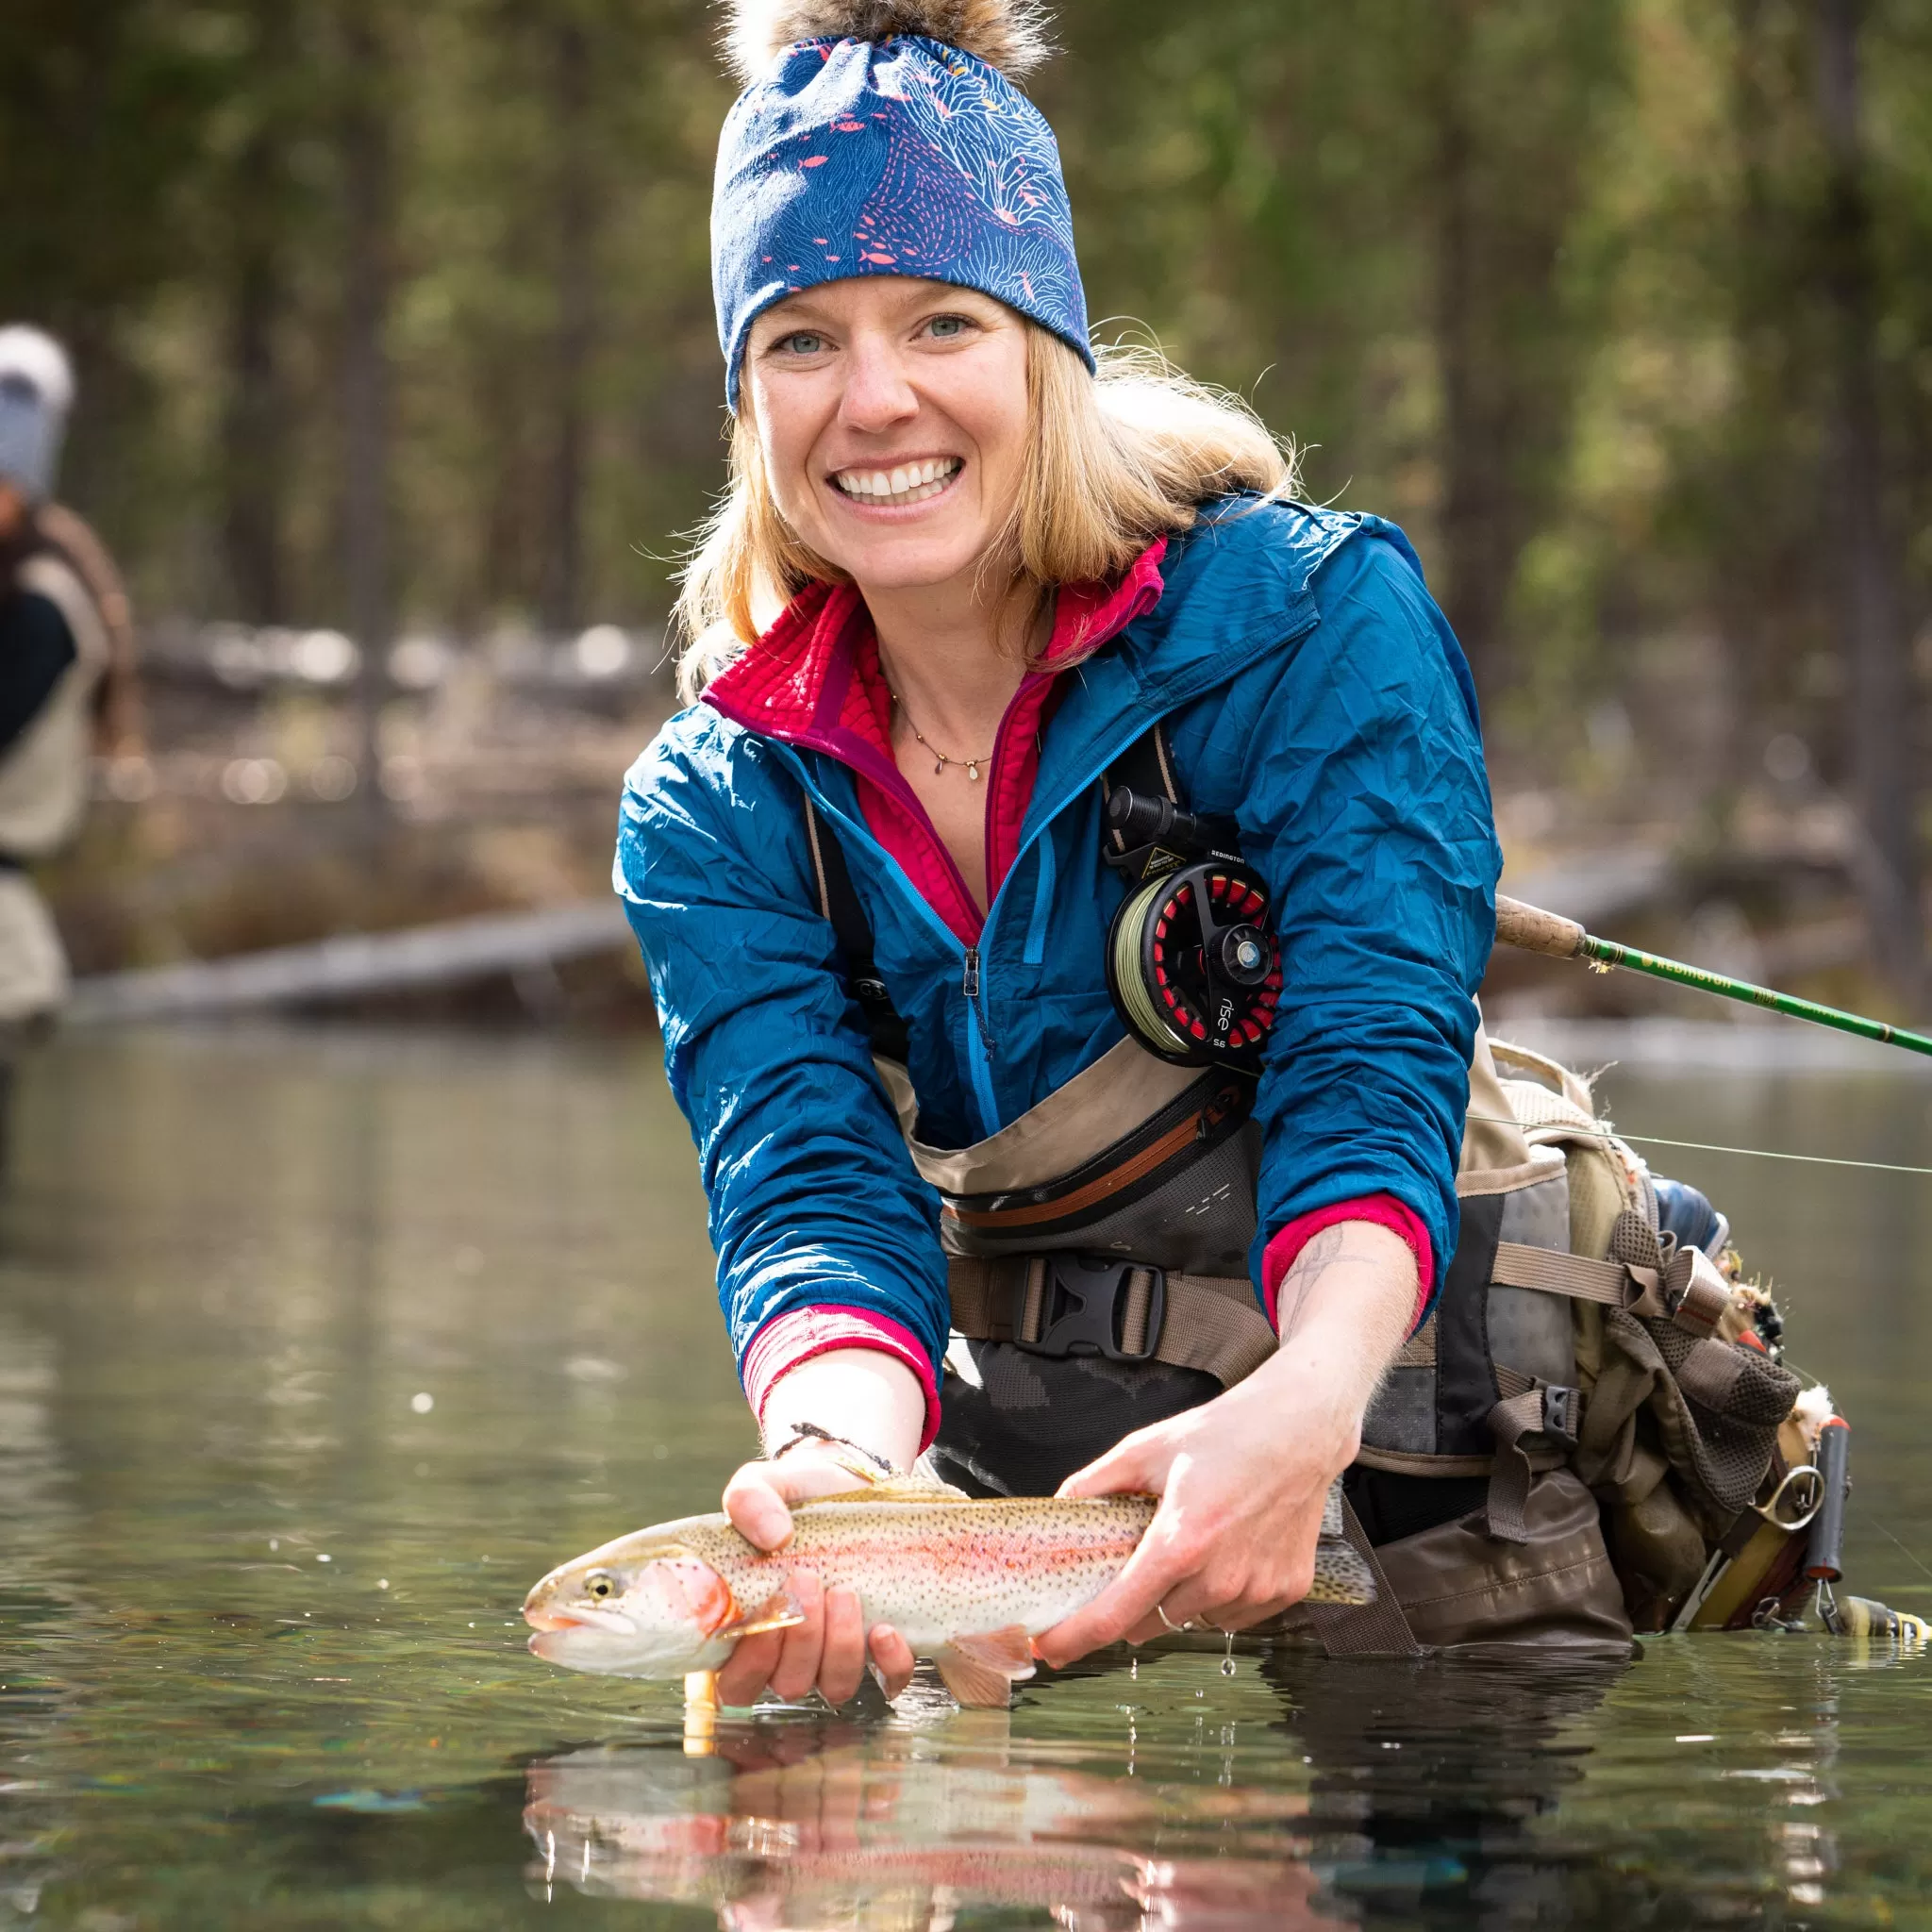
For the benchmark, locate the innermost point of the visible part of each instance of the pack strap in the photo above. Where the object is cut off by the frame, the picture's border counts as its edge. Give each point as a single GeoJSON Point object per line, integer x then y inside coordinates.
{"type": "Point", "coordinates": [1211, 1322]}
{"type": "Point", "coordinates": [1371, 1629]}
{"type": "Point", "coordinates": [839, 902]}
{"type": "Point", "coordinates": [1553, 1416]}
{"type": "Point", "coordinates": [1551, 1271]}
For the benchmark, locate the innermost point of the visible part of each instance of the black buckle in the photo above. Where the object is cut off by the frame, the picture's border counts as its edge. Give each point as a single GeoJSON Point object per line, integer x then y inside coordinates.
{"type": "Point", "coordinates": [1561, 1414]}
{"type": "Point", "coordinates": [1082, 1310]}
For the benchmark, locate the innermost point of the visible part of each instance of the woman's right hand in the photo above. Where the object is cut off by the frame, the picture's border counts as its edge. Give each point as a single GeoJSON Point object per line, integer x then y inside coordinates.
{"type": "Point", "coordinates": [827, 1652]}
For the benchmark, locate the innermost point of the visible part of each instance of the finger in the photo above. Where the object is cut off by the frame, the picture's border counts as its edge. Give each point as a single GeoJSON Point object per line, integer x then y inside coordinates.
{"type": "Point", "coordinates": [1128, 1465]}
{"type": "Point", "coordinates": [748, 1669]}
{"type": "Point", "coordinates": [843, 1663]}
{"type": "Point", "coordinates": [1150, 1573]}
{"type": "Point", "coordinates": [894, 1657]}
{"type": "Point", "coordinates": [1246, 1616]}
{"type": "Point", "coordinates": [797, 1668]}
{"type": "Point", "coordinates": [1207, 1600]}
{"type": "Point", "coordinates": [756, 1508]}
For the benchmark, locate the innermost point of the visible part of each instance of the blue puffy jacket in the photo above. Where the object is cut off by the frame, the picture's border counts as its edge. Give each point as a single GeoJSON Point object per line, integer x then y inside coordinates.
{"type": "Point", "coordinates": [1314, 692]}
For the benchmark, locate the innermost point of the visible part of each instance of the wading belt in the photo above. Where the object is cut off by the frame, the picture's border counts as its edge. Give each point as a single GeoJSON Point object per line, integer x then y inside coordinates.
{"type": "Point", "coordinates": [1060, 1305]}
{"type": "Point", "coordinates": [1054, 1227]}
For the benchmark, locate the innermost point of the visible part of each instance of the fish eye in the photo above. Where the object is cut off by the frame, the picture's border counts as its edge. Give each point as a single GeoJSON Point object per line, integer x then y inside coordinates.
{"type": "Point", "coordinates": [599, 1585]}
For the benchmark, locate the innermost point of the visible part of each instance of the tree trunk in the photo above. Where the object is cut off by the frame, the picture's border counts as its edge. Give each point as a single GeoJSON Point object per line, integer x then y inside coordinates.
{"type": "Point", "coordinates": [254, 452]}
{"type": "Point", "coordinates": [1472, 592]}
{"type": "Point", "coordinates": [254, 417]}
{"type": "Point", "coordinates": [1874, 639]}
{"type": "Point", "coordinates": [367, 273]}
{"type": "Point", "coordinates": [562, 577]}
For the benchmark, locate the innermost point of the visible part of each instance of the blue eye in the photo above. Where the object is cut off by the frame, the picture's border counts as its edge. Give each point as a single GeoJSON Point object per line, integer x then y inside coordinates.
{"type": "Point", "coordinates": [802, 342]}
{"type": "Point", "coordinates": [947, 327]}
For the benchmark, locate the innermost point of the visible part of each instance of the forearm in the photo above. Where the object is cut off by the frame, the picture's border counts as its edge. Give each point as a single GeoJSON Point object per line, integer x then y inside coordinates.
{"type": "Point", "coordinates": [1343, 1311]}
{"type": "Point", "coordinates": [865, 1395]}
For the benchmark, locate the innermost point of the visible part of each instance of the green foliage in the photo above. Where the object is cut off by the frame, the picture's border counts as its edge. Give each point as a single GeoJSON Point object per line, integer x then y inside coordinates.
{"type": "Point", "coordinates": [1548, 284]}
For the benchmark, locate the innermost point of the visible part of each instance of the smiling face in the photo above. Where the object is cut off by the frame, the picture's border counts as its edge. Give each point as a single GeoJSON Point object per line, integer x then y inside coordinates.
{"type": "Point", "coordinates": [892, 417]}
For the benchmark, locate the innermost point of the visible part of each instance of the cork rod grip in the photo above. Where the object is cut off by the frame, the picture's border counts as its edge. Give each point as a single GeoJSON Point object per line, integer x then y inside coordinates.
{"type": "Point", "coordinates": [1537, 931]}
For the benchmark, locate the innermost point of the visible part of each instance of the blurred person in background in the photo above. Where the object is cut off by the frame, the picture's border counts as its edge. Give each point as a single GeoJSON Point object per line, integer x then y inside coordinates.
{"type": "Point", "coordinates": [66, 678]}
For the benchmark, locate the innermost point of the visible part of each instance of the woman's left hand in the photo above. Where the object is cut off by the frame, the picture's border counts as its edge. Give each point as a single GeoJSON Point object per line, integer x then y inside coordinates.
{"type": "Point", "coordinates": [1242, 1479]}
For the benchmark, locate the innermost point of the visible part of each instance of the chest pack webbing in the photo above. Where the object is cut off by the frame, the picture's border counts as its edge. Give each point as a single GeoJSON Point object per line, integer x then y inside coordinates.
{"type": "Point", "coordinates": [1110, 1222]}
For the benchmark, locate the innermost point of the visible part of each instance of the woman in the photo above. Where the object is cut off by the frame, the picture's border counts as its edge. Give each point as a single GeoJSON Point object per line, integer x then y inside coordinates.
{"type": "Point", "coordinates": [963, 572]}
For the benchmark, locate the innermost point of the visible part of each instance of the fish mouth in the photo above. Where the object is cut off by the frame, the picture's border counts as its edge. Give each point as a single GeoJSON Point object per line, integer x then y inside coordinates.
{"type": "Point", "coordinates": [547, 1621]}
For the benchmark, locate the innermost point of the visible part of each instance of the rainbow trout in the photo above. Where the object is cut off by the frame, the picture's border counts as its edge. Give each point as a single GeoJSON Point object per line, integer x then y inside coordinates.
{"type": "Point", "coordinates": [969, 1584]}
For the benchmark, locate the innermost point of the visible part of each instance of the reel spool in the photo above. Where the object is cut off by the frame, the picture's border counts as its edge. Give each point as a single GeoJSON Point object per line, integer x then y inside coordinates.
{"type": "Point", "coordinates": [1193, 968]}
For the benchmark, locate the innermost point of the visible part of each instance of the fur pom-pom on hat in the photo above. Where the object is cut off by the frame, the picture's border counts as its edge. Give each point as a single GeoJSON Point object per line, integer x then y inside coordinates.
{"type": "Point", "coordinates": [1009, 35]}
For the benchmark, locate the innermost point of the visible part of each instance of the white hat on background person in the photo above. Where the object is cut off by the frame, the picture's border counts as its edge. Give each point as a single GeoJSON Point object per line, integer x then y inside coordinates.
{"type": "Point", "coordinates": [36, 392]}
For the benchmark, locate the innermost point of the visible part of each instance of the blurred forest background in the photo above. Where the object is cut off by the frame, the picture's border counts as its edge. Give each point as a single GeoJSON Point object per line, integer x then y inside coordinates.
{"type": "Point", "coordinates": [394, 319]}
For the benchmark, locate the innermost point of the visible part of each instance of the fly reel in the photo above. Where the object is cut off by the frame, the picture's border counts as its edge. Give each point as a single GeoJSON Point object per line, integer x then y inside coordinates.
{"type": "Point", "coordinates": [1193, 968]}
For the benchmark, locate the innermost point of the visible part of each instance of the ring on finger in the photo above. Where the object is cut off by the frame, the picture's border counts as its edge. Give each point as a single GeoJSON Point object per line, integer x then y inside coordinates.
{"type": "Point", "coordinates": [1160, 1611]}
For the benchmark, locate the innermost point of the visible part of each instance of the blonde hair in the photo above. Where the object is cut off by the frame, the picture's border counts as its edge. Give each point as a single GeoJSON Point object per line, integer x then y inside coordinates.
{"type": "Point", "coordinates": [1112, 461]}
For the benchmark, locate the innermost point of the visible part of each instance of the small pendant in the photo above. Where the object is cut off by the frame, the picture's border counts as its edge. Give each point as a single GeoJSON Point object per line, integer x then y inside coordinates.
{"type": "Point", "coordinates": [972, 771]}
{"type": "Point", "coordinates": [938, 768]}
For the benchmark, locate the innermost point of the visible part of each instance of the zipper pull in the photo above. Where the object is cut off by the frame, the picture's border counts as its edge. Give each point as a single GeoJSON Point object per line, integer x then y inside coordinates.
{"type": "Point", "coordinates": [969, 983]}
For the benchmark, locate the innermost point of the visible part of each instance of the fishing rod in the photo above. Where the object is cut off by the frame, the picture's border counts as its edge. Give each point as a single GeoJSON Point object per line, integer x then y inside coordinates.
{"type": "Point", "coordinates": [1532, 930]}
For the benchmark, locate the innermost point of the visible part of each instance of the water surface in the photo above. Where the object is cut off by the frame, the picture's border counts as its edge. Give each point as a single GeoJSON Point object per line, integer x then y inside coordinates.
{"type": "Point", "coordinates": [315, 1349]}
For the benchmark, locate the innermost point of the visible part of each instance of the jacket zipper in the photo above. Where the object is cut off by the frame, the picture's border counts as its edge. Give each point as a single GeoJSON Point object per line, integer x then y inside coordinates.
{"type": "Point", "coordinates": [978, 1038]}
{"type": "Point", "coordinates": [978, 1045]}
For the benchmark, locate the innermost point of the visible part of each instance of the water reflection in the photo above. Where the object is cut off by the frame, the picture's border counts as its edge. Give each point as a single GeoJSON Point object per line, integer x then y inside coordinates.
{"type": "Point", "coordinates": [839, 1825]}
{"type": "Point", "coordinates": [1425, 1785]}
{"type": "Point", "coordinates": [35, 1517]}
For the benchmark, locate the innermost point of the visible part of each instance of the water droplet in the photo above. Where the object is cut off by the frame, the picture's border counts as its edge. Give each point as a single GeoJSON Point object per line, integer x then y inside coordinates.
{"type": "Point", "coordinates": [422, 1402]}
{"type": "Point", "coordinates": [1228, 1667]}
{"type": "Point", "coordinates": [1134, 1670]}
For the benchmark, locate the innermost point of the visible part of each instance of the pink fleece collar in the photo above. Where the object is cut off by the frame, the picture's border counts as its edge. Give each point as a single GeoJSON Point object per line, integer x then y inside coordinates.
{"type": "Point", "coordinates": [779, 684]}
{"type": "Point", "coordinates": [813, 679]}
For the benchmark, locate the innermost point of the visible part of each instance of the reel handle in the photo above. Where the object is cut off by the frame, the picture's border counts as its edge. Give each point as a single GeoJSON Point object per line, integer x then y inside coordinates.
{"type": "Point", "coordinates": [1142, 821]}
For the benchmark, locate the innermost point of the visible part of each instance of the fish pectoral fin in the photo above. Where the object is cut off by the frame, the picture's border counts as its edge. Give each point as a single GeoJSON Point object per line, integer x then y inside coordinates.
{"type": "Point", "coordinates": [781, 1610]}
{"type": "Point", "coordinates": [981, 1668]}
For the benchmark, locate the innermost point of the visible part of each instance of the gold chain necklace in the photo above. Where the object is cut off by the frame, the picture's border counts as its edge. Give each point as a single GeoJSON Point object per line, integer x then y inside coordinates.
{"type": "Point", "coordinates": [971, 765]}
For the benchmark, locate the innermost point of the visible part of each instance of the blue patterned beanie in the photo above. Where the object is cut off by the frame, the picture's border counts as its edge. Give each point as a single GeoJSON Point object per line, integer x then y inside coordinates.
{"type": "Point", "coordinates": [882, 138]}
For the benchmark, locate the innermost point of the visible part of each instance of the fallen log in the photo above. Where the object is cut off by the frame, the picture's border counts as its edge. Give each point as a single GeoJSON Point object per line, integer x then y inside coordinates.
{"type": "Point", "coordinates": [352, 965]}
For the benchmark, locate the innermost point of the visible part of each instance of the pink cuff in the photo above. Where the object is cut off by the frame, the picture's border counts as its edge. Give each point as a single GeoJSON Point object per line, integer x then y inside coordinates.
{"type": "Point", "coordinates": [789, 1339]}
{"type": "Point", "coordinates": [1385, 1211]}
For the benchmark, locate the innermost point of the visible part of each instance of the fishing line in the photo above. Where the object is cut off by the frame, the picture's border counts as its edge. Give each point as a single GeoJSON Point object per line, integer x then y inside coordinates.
{"type": "Point", "coordinates": [1912, 1554]}
{"type": "Point", "coordinates": [1713, 1147]}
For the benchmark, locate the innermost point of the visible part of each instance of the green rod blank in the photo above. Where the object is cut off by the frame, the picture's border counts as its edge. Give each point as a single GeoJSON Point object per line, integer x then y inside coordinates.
{"type": "Point", "coordinates": [1536, 931]}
